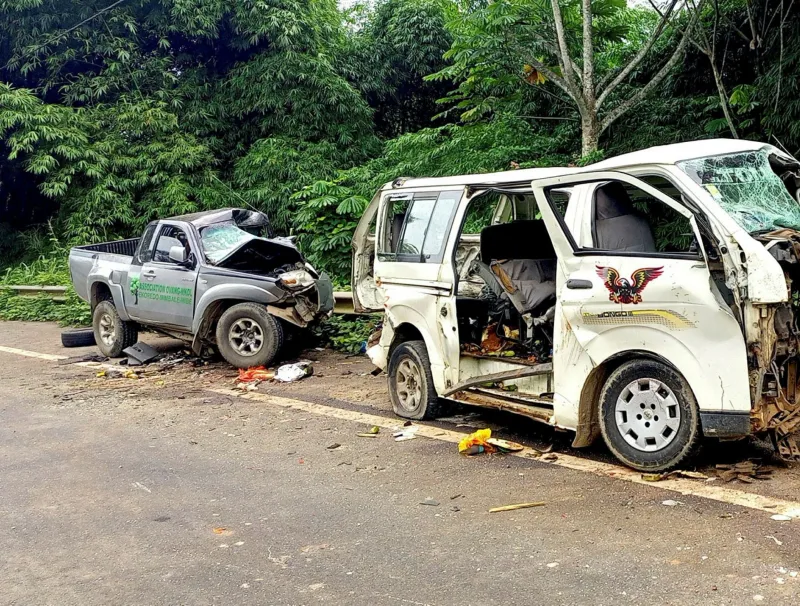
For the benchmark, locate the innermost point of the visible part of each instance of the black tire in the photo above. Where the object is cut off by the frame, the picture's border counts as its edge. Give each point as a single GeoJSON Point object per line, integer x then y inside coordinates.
{"type": "Point", "coordinates": [678, 427]}
{"type": "Point", "coordinates": [256, 315]}
{"type": "Point", "coordinates": [122, 335]}
{"type": "Point", "coordinates": [77, 337]}
{"type": "Point", "coordinates": [413, 356]}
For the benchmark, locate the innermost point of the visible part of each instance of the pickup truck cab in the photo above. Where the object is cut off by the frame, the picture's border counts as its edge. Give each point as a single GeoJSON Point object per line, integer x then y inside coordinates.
{"type": "Point", "coordinates": [214, 278]}
{"type": "Point", "coordinates": [650, 299]}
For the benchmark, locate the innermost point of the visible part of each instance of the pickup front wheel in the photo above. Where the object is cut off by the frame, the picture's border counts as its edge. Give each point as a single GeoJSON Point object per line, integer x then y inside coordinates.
{"type": "Point", "coordinates": [247, 335]}
{"type": "Point", "coordinates": [111, 333]}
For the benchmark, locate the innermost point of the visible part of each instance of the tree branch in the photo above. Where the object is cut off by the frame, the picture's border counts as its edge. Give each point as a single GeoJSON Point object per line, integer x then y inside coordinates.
{"type": "Point", "coordinates": [588, 54]}
{"type": "Point", "coordinates": [637, 59]}
{"type": "Point", "coordinates": [564, 59]}
{"type": "Point", "coordinates": [642, 93]}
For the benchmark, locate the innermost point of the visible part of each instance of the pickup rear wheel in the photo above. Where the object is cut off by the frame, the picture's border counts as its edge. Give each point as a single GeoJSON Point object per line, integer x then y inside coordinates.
{"type": "Point", "coordinates": [648, 416]}
{"type": "Point", "coordinates": [247, 335]}
{"type": "Point", "coordinates": [111, 333]}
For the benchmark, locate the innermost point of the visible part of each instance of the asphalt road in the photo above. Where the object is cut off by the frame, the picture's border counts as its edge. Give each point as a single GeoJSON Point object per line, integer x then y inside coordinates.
{"type": "Point", "coordinates": [162, 491]}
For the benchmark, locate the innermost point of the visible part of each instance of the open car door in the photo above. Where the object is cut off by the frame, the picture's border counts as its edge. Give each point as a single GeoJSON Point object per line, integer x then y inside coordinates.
{"type": "Point", "coordinates": [367, 297]}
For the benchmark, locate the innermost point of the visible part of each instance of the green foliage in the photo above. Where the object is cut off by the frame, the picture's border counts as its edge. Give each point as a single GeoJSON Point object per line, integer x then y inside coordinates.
{"type": "Point", "coordinates": [348, 333]}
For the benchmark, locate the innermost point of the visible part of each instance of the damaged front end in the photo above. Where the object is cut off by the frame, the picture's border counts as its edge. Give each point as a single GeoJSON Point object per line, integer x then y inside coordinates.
{"type": "Point", "coordinates": [773, 358]}
{"type": "Point", "coordinates": [307, 295]}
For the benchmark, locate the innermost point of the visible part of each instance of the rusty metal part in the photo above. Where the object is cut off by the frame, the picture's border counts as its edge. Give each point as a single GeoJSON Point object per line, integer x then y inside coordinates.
{"type": "Point", "coordinates": [506, 375]}
{"type": "Point", "coordinates": [498, 402]}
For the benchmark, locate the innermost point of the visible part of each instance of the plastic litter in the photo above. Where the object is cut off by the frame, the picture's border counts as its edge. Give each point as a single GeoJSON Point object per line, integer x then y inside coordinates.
{"type": "Point", "coordinates": [779, 517]}
{"type": "Point", "coordinates": [289, 373]}
{"type": "Point", "coordinates": [255, 373]}
{"type": "Point", "coordinates": [476, 443]}
{"type": "Point", "coordinates": [407, 432]}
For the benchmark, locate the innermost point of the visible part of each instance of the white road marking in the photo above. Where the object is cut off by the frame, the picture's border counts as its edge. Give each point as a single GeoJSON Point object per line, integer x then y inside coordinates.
{"type": "Point", "coordinates": [683, 486]}
{"type": "Point", "coordinates": [706, 490]}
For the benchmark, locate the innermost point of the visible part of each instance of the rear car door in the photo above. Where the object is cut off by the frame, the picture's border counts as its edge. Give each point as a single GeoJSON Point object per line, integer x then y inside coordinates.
{"type": "Point", "coordinates": [164, 291]}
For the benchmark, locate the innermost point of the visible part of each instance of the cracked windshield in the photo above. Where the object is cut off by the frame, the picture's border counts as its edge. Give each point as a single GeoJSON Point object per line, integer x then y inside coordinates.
{"type": "Point", "coordinates": [221, 240]}
{"type": "Point", "coordinates": [747, 188]}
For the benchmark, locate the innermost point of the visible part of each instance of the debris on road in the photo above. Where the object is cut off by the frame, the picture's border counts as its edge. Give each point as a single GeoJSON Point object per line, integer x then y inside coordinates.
{"type": "Point", "coordinates": [430, 501]}
{"type": "Point", "coordinates": [516, 506]}
{"type": "Point", "coordinates": [333, 446]}
{"type": "Point", "coordinates": [476, 443]}
{"type": "Point", "coordinates": [255, 373]}
{"type": "Point", "coordinates": [777, 542]}
{"type": "Point", "coordinates": [671, 503]}
{"type": "Point", "coordinates": [372, 433]}
{"type": "Point", "coordinates": [87, 358]}
{"type": "Point", "coordinates": [289, 373]}
{"type": "Point", "coordinates": [505, 445]}
{"type": "Point", "coordinates": [746, 471]}
{"type": "Point", "coordinates": [469, 420]}
{"type": "Point", "coordinates": [407, 432]}
{"type": "Point", "coordinates": [141, 353]}
{"type": "Point", "coordinates": [679, 473]}
{"type": "Point", "coordinates": [779, 517]}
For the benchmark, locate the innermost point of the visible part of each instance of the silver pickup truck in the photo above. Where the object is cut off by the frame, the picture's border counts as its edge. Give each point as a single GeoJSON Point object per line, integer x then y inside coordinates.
{"type": "Point", "coordinates": [215, 278]}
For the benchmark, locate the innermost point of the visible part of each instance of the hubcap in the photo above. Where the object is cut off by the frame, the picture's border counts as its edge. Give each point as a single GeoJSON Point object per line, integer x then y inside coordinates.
{"type": "Point", "coordinates": [648, 415]}
{"type": "Point", "coordinates": [246, 337]}
{"type": "Point", "coordinates": [106, 326]}
{"type": "Point", "coordinates": [409, 384]}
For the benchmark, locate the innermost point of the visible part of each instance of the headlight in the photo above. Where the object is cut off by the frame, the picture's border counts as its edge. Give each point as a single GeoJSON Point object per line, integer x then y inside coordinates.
{"type": "Point", "coordinates": [296, 279]}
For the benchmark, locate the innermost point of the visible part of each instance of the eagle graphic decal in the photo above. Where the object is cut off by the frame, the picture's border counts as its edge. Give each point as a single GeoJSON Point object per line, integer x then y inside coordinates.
{"type": "Point", "coordinates": [627, 291]}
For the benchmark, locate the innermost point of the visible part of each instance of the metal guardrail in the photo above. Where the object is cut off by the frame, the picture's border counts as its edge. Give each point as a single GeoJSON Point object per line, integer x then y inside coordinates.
{"type": "Point", "coordinates": [343, 301]}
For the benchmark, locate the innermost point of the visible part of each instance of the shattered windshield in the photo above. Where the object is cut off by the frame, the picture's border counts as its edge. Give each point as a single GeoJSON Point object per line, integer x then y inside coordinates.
{"type": "Point", "coordinates": [222, 239]}
{"type": "Point", "coordinates": [747, 188]}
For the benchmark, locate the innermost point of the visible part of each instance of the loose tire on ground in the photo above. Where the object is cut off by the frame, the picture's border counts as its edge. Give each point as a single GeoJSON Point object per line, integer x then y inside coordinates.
{"type": "Point", "coordinates": [649, 416]}
{"type": "Point", "coordinates": [111, 332]}
{"type": "Point", "coordinates": [411, 388]}
{"type": "Point", "coordinates": [247, 335]}
{"type": "Point", "coordinates": [77, 337]}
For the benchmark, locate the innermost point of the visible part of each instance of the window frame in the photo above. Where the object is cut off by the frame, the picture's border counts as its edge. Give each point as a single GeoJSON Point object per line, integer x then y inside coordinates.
{"type": "Point", "coordinates": [383, 228]}
{"type": "Point", "coordinates": [580, 251]}
{"type": "Point", "coordinates": [158, 237]}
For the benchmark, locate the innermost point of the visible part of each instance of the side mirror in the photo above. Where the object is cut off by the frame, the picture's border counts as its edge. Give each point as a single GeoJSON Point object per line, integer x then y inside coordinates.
{"type": "Point", "coordinates": [177, 254]}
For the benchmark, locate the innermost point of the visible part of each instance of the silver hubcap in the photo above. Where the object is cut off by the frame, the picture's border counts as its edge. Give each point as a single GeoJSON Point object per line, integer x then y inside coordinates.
{"type": "Point", "coordinates": [409, 384]}
{"type": "Point", "coordinates": [648, 415]}
{"type": "Point", "coordinates": [246, 337]}
{"type": "Point", "coordinates": [106, 326]}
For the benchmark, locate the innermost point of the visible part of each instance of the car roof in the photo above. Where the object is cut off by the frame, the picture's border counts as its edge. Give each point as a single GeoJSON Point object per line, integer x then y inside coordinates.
{"type": "Point", "coordinates": [662, 154]}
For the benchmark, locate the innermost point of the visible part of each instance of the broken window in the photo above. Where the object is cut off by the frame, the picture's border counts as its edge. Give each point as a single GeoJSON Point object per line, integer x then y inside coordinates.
{"type": "Point", "coordinates": [746, 187]}
{"type": "Point", "coordinates": [222, 239]}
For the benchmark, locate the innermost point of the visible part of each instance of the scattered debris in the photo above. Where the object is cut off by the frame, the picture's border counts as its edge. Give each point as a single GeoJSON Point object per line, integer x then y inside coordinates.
{"type": "Point", "coordinates": [746, 471]}
{"type": "Point", "coordinates": [220, 530]}
{"type": "Point", "coordinates": [430, 501]}
{"type": "Point", "coordinates": [777, 542]}
{"type": "Point", "coordinates": [779, 517]}
{"type": "Point", "coordinates": [333, 446]}
{"type": "Point", "coordinates": [141, 353]}
{"type": "Point", "coordinates": [516, 506]}
{"type": "Point", "coordinates": [553, 564]}
{"type": "Point", "coordinates": [87, 358]}
{"type": "Point", "coordinates": [407, 432]}
{"type": "Point", "coordinates": [255, 373]}
{"type": "Point", "coordinates": [671, 503]}
{"type": "Point", "coordinates": [476, 443]}
{"type": "Point", "coordinates": [469, 420]}
{"type": "Point", "coordinates": [289, 373]}
{"type": "Point", "coordinates": [679, 473]}
{"type": "Point", "coordinates": [372, 433]}
{"type": "Point", "coordinates": [505, 445]}
{"type": "Point", "coordinates": [549, 456]}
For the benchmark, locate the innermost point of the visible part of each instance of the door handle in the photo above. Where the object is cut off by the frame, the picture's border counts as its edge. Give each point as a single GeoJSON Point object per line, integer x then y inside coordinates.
{"type": "Point", "coordinates": [150, 272]}
{"type": "Point", "coordinates": [579, 284]}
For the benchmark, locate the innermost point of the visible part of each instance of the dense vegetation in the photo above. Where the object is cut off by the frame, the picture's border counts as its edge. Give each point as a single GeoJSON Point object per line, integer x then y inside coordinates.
{"type": "Point", "coordinates": [113, 113]}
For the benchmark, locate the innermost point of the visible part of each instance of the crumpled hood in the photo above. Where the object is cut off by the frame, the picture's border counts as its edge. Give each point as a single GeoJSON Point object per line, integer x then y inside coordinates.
{"type": "Point", "coordinates": [226, 245]}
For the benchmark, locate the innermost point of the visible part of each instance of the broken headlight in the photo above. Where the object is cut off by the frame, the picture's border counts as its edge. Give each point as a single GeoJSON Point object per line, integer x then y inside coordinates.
{"type": "Point", "coordinates": [299, 278]}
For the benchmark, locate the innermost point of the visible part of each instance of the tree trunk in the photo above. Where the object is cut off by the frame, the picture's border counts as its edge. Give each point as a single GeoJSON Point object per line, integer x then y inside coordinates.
{"type": "Point", "coordinates": [723, 98]}
{"type": "Point", "coordinates": [590, 134]}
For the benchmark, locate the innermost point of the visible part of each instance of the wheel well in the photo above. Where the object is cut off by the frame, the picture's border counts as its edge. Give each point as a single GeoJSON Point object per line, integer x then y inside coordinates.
{"type": "Point", "coordinates": [588, 429]}
{"type": "Point", "coordinates": [403, 333]}
{"type": "Point", "coordinates": [211, 314]}
{"type": "Point", "coordinates": [100, 292]}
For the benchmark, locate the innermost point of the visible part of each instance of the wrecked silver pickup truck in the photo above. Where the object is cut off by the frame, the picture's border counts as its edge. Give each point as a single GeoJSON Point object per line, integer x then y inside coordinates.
{"type": "Point", "coordinates": [215, 278]}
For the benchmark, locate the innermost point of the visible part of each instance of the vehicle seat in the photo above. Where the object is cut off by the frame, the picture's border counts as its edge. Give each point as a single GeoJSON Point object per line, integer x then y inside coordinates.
{"type": "Point", "coordinates": [523, 261]}
{"type": "Point", "coordinates": [617, 224]}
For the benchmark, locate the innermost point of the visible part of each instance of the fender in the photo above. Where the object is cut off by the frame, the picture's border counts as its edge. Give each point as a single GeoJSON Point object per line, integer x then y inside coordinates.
{"type": "Point", "coordinates": [404, 314]}
{"type": "Point", "coordinates": [717, 387]}
{"type": "Point", "coordinates": [112, 280]}
{"type": "Point", "coordinates": [242, 293]}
